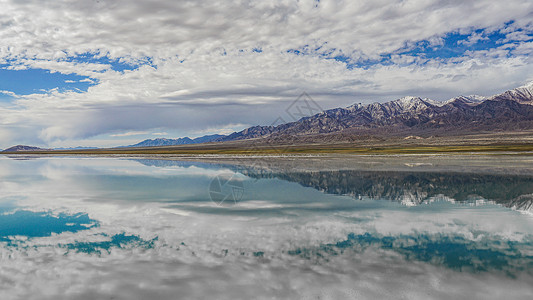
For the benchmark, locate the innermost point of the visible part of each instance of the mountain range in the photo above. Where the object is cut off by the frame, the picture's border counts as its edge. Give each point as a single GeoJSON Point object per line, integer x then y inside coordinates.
{"type": "Point", "coordinates": [407, 116]}
{"type": "Point", "coordinates": [511, 110]}
{"type": "Point", "coordinates": [179, 141]}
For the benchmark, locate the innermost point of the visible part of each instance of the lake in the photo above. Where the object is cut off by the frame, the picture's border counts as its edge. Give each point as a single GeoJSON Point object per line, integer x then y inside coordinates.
{"type": "Point", "coordinates": [313, 227]}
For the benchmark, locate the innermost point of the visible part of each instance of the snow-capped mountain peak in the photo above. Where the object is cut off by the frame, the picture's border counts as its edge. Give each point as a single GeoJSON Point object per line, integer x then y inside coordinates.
{"type": "Point", "coordinates": [523, 94]}
{"type": "Point", "coordinates": [355, 106]}
{"type": "Point", "coordinates": [471, 99]}
{"type": "Point", "coordinates": [408, 114]}
{"type": "Point", "coordinates": [410, 102]}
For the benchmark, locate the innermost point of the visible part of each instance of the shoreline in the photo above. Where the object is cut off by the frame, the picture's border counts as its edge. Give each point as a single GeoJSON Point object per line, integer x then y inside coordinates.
{"type": "Point", "coordinates": [497, 149]}
{"type": "Point", "coordinates": [493, 143]}
{"type": "Point", "coordinates": [486, 163]}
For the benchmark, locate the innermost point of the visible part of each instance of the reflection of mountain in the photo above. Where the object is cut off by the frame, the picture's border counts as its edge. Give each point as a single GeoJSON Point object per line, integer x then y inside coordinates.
{"type": "Point", "coordinates": [172, 163]}
{"type": "Point", "coordinates": [408, 187]}
{"type": "Point", "coordinates": [163, 163]}
{"type": "Point", "coordinates": [509, 190]}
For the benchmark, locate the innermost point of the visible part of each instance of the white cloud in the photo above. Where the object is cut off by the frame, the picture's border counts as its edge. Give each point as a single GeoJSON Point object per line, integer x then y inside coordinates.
{"type": "Point", "coordinates": [9, 93]}
{"type": "Point", "coordinates": [129, 133]}
{"type": "Point", "coordinates": [226, 129]}
{"type": "Point", "coordinates": [474, 38]}
{"type": "Point", "coordinates": [88, 80]}
{"type": "Point", "coordinates": [203, 72]}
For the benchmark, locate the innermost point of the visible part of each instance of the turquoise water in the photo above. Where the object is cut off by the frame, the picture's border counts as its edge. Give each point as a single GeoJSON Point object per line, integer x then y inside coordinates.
{"type": "Point", "coordinates": [20, 222]}
{"type": "Point", "coordinates": [319, 228]}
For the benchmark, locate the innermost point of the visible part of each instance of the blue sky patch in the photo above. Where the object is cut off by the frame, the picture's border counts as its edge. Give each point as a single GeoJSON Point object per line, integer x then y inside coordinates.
{"type": "Point", "coordinates": [36, 81]}
{"type": "Point", "coordinates": [455, 44]}
{"type": "Point", "coordinates": [116, 64]}
{"type": "Point", "coordinates": [451, 45]}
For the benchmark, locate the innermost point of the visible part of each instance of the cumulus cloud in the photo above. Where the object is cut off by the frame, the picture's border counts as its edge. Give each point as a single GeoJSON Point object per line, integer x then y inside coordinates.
{"type": "Point", "coordinates": [473, 39]}
{"type": "Point", "coordinates": [195, 65]}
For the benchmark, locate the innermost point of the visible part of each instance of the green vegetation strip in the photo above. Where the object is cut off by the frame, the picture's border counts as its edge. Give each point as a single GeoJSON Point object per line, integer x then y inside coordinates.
{"type": "Point", "coordinates": [300, 150]}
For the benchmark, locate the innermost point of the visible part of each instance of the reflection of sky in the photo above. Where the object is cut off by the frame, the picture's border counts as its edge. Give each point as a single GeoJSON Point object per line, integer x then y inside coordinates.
{"type": "Point", "coordinates": [452, 251]}
{"type": "Point", "coordinates": [113, 227]}
{"type": "Point", "coordinates": [38, 224]}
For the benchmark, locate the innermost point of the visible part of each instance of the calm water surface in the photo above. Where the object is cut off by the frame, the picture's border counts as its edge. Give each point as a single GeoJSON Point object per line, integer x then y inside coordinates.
{"type": "Point", "coordinates": [408, 227]}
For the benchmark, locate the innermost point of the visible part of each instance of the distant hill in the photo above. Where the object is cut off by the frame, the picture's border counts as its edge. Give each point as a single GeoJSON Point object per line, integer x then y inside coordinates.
{"type": "Point", "coordinates": [77, 148]}
{"type": "Point", "coordinates": [23, 148]}
{"type": "Point", "coordinates": [179, 141]}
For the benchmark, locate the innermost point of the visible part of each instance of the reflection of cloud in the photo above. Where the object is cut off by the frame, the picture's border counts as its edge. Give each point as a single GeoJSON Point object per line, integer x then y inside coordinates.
{"type": "Point", "coordinates": [149, 244]}
{"type": "Point", "coordinates": [363, 263]}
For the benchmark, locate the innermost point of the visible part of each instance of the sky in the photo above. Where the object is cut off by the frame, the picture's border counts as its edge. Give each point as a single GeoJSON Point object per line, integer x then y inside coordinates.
{"type": "Point", "coordinates": [108, 73]}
